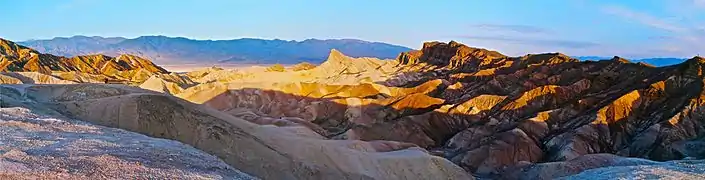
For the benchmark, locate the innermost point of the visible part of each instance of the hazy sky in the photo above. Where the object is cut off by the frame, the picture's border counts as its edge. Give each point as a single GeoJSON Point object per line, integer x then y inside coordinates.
{"type": "Point", "coordinates": [630, 28]}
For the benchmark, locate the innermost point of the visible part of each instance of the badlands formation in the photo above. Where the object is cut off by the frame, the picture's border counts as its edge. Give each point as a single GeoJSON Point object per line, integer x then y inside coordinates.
{"type": "Point", "coordinates": [447, 111]}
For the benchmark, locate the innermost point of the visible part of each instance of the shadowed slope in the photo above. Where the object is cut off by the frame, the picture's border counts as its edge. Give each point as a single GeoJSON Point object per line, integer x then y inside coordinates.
{"type": "Point", "coordinates": [266, 151]}
{"type": "Point", "coordinates": [486, 111]}
{"type": "Point", "coordinates": [556, 108]}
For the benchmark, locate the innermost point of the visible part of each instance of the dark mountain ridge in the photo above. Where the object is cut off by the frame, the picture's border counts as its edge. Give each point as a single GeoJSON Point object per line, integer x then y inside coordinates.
{"type": "Point", "coordinates": [658, 61]}
{"type": "Point", "coordinates": [175, 50]}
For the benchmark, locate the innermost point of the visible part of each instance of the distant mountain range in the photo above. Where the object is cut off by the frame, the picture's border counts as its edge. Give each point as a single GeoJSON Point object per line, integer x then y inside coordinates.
{"type": "Point", "coordinates": [652, 61]}
{"type": "Point", "coordinates": [178, 50]}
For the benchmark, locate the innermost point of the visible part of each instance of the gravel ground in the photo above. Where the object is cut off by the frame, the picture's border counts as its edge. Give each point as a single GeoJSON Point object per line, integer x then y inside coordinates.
{"type": "Point", "coordinates": [33, 146]}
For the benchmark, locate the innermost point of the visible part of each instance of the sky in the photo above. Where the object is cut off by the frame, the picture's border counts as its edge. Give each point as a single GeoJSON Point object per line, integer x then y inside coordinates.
{"type": "Point", "coordinates": [627, 28]}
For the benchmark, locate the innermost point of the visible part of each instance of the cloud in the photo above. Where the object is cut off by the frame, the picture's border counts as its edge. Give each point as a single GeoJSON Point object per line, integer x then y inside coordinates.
{"type": "Point", "coordinates": [699, 3]}
{"type": "Point", "coordinates": [523, 38]}
{"type": "Point", "coordinates": [681, 36]}
{"type": "Point", "coordinates": [642, 18]}
{"type": "Point", "coordinates": [512, 28]}
{"type": "Point", "coordinates": [660, 37]}
{"type": "Point", "coordinates": [539, 42]}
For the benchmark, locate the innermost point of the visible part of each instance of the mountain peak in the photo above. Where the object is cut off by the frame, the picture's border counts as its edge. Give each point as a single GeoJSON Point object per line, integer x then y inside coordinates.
{"type": "Point", "coordinates": [6, 42]}
{"type": "Point", "coordinates": [335, 52]}
{"type": "Point", "coordinates": [9, 48]}
{"type": "Point", "coordinates": [699, 59]}
{"type": "Point", "coordinates": [545, 59]}
{"type": "Point", "coordinates": [77, 37]}
{"type": "Point", "coordinates": [693, 67]}
{"type": "Point", "coordinates": [620, 60]}
{"type": "Point", "coordinates": [695, 61]}
{"type": "Point", "coordinates": [445, 54]}
{"type": "Point", "coordinates": [337, 56]}
{"type": "Point", "coordinates": [84, 37]}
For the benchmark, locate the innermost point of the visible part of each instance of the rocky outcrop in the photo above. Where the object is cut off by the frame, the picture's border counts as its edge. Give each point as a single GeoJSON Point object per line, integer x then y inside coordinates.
{"type": "Point", "coordinates": [452, 55]}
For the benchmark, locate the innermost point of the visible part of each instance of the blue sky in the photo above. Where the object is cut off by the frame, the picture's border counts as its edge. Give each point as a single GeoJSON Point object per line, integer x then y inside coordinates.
{"type": "Point", "coordinates": [629, 28]}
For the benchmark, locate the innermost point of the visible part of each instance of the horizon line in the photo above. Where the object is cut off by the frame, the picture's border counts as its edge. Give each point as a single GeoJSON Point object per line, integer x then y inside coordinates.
{"type": "Point", "coordinates": [209, 39]}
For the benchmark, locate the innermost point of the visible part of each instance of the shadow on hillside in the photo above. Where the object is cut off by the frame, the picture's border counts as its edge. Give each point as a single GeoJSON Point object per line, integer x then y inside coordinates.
{"type": "Point", "coordinates": [336, 115]}
{"type": "Point", "coordinates": [423, 126]}
{"type": "Point", "coordinates": [23, 78]}
{"type": "Point", "coordinates": [489, 130]}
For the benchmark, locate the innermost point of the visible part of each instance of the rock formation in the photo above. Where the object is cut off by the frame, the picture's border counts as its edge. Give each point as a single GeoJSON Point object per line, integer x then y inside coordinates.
{"type": "Point", "coordinates": [550, 107]}
{"type": "Point", "coordinates": [555, 108]}
{"type": "Point", "coordinates": [86, 68]}
{"type": "Point", "coordinates": [482, 110]}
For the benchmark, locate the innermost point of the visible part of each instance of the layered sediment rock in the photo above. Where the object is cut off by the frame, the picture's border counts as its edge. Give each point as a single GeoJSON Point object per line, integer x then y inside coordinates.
{"type": "Point", "coordinates": [554, 108]}
{"type": "Point", "coordinates": [83, 69]}
{"type": "Point", "coordinates": [486, 111]}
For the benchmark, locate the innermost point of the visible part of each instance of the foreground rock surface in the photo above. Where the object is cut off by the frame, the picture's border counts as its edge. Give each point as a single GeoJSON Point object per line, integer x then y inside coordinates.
{"type": "Point", "coordinates": [608, 166]}
{"type": "Point", "coordinates": [53, 147]}
{"type": "Point", "coordinates": [684, 169]}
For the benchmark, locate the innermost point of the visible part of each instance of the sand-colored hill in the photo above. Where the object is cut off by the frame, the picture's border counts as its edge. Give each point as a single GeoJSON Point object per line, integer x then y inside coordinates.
{"type": "Point", "coordinates": [168, 83]}
{"type": "Point", "coordinates": [4, 79]}
{"type": "Point", "coordinates": [34, 78]}
{"type": "Point", "coordinates": [338, 69]}
{"type": "Point", "coordinates": [88, 68]}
